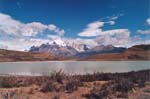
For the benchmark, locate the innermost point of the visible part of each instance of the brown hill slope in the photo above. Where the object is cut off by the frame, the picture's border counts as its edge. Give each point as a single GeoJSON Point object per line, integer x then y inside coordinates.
{"type": "Point", "coordinates": [138, 52]}
{"type": "Point", "coordinates": [11, 56]}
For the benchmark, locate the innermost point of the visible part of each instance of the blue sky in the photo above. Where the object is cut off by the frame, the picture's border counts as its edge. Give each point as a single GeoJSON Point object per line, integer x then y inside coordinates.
{"type": "Point", "coordinates": [71, 19]}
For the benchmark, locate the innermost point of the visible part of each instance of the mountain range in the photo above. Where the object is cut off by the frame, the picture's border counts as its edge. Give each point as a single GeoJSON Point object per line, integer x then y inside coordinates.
{"type": "Point", "coordinates": [62, 51]}
{"type": "Point", "coordinates": [137, 52]}
{"type": "Point", "coordinates": [60, 48]}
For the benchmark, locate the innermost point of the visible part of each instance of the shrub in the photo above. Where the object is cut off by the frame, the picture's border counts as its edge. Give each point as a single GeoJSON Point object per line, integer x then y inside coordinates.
{"type": "Point", "coordinates": [123, 85]}
{"type": "Point", "coordinates": [98, 92]}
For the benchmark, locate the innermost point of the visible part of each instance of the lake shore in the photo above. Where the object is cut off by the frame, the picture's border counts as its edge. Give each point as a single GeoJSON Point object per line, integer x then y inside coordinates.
{"type": "Point", "coordinates": [130, 85]}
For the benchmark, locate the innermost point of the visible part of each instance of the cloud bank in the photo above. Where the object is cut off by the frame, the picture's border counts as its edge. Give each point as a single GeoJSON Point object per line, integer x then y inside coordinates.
{"type": "Point", "coordinates": [10, 26]}
{"type": "Point", "coordinates": [16, 35]}
{"type": "Point", "coordinates": [117, 37]}
{"type": "Point", "coordinates": [148, 21]}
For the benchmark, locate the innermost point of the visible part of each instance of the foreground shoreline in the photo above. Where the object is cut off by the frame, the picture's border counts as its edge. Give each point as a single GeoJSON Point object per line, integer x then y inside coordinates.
{"type": "Point", "coordinates": [130, 85]}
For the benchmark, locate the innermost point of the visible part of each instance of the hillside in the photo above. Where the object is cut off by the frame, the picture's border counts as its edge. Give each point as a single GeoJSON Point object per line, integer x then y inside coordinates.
{"type": "Point", "coordinates": [138, 52]}
{"type": "Point", "coordinates": [12, 56]}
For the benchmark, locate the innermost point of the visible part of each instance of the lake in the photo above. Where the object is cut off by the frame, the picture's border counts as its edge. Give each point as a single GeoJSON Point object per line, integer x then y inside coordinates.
{"type": "Point", "coordinates": [71, 67]}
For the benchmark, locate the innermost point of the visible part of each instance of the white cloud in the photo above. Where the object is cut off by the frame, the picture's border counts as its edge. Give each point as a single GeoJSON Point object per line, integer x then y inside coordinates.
{"type": "Point", "coordinates": [79, 41]}
{"type": "Point", "coordinates": [89, 42]}
{"type": "Point", "coordinates": [53, 37]}
{"type": "Point", "coordinates": [10, 26]}
{"type": "Point", "coordinates": [137, 41]}
{"type": "Point", "coordinates": [24, 35]}
{"type": "Point", "coordinates": [16, 35]}
{"type": "Point", "coordinates": [144, 31]}
{"type": "Point", "coordinates": [114, 17]}
{"type": "Point", "coordinates": [90, 33]}
{"type": "Point", "coordinates": [122, 33]}
{"type": "Point", "coordinates": [2, 46]}
{"type": "Point", "coordinates": [117, 37]}
{"type": "Point", "coordinates": [22, 43]}
{"type": "Point", "coordinates": [54, 28]}
{"type": "Point", "coordinates": [111, 22]}
{"type": "Point", "coordinates": [94, 29]}
{"type": "Point", "coordinates": [148, 21]}
{"type": "Point", "coordinates": [32, 29]}
{"type": "Point", "coordinates": [147, 42]}
{"type": "Point", "coordinates": [61, 32]}
{"type": "Point", "coordinates": [95, 25]}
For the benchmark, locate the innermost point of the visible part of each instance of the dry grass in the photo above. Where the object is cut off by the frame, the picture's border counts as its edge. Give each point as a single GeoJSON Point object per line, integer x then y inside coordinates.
{"type": "Point", "coordinates": [90, 86]}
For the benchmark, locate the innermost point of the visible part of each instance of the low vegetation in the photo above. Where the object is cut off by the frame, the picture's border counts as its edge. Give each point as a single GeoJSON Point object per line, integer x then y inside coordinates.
{"type": "Point", "coordinates": [117, 84]}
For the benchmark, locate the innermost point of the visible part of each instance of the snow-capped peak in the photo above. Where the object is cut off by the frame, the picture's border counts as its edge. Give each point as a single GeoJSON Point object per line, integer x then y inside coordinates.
{"type": "Point", "coordinates": [60, 42]}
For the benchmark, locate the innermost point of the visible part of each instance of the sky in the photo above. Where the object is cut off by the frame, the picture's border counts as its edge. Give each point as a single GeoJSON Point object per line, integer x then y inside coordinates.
{"type": "Point", "coordinates": [122, 23]}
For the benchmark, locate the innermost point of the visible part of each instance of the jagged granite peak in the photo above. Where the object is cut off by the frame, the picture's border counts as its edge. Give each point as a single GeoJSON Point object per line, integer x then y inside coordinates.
{"type": "Point", "coordinates": [75, 50]}
{"type": "Point", "coordinates": [56, 48]}
{"type": "Point", "coordinates": [59, 42]}
{"type": "Point", "coordinates": [101, 49]}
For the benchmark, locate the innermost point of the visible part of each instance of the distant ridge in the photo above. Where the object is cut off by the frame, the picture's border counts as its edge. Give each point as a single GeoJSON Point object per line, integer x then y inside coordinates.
{"type": "Point", "coordinates": [62, 49]}
{"type": "Point", "coordinates": [137, 52]}
{"type": "Point", "coordinates": [13, 56]}
{"type": "Point", "coordinates": [99, 53]}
